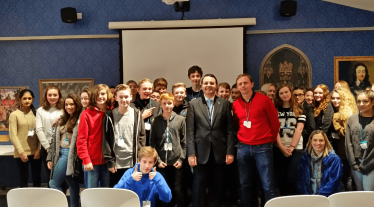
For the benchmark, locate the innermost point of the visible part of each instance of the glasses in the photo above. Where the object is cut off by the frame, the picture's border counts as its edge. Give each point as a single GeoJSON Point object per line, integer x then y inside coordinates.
{"type": "Point", "coordinates": [301, 94]}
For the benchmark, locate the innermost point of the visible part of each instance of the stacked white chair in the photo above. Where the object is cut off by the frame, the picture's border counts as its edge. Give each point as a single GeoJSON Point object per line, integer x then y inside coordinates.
{"type": "Point", "coordinates": [111, 197]}
{"type": "Point", "coordinates": [299, 201]}
{"type": "Point", "coordinates": [352, 199]}
{"type": "Point", "coordinates": [36, 197]}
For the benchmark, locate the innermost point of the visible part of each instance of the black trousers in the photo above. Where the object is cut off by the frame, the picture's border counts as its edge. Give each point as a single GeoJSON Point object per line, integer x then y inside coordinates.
{"type": "Point", "coordinates": [23, 168]}
{"type": "Point", "coordinates": [203, 173]}
{"type": "Point", "coordinates": [43, 157]}
{"type": "Point", "coordinates": [114, 178]}
{"type": "Point", "coordinates": [174, 179]}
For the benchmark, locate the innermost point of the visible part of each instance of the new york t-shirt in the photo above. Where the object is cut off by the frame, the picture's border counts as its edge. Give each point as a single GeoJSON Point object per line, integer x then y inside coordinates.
{"type": "Point", "coordinates": [288, 123]}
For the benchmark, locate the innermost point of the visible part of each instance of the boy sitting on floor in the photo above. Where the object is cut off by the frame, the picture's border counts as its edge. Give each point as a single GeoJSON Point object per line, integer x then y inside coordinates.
{"type": "Point", "coordinates": [144, 180]}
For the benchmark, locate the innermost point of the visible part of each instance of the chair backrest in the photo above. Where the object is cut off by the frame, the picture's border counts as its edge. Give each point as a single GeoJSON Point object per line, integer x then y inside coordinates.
{"type": "Point", "coordinates": [99, 197]}
{"type": "Point", "coordinates": [352, 198]}
{"type": "Point", "coordinates": [299, 201]}
{"type": "Point", "coordinates": [36, 197]}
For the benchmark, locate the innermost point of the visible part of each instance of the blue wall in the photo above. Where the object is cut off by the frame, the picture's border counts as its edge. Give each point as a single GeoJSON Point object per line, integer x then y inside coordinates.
{"type": "Point", "coordinates": [25, 62]}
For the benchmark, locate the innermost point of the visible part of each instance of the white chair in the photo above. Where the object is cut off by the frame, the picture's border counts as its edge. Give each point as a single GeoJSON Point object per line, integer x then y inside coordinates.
{"type": "Point", "coordinates": [111, 197]}
{"type": "Point", "coordinates": [299, 201]}
{"type": "Point", "coordinates": [36, 197]}
{"type": "Point", "coordinates": [352, 199]}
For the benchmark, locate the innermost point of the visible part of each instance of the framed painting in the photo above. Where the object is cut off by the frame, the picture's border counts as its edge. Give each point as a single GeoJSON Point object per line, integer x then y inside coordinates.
{"type": "Point", "coordinates": [357, 71]}
{"type": "Point", "coordinates": [9, 102]}
{"type": "Point", "coordinates": [286, 64]}
{"type": "Point", "coordinates": [66, 86]}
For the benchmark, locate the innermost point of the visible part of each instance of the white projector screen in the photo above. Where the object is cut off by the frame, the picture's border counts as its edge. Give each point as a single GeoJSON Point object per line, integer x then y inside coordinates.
{"type": "Point", "coordinates": [169, 53]}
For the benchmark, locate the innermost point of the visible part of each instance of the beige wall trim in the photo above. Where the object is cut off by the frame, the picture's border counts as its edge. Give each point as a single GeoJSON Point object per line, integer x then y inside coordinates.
{"type": "Point", "coordinates": [62, 37]}
{"type": "Point", "coordinates": [280, 31]}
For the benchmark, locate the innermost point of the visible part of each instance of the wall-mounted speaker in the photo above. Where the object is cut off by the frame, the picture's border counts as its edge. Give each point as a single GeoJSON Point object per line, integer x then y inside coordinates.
{"type": "Point", "coordinates": [288, 8]}
{"type": "Point", "coordinates": [69, 15]}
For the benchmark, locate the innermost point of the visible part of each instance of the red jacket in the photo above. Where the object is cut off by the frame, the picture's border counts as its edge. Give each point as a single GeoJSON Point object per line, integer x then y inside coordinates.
{"type": "Point", "coordinates": [263, 117]}
{"type": "Point", "coordinates": [90, 137]}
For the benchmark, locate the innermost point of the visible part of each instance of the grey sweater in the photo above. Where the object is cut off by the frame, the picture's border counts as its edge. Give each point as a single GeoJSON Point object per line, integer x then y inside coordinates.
{"type": "Point", "coordinates": [177, 138]}
{"type": "Point", "coordinates": [352, 145]}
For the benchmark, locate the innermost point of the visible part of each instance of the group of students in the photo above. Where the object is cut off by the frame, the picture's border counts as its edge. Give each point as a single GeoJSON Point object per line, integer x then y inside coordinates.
{"type": "Point", "coordinates": [138, 136]}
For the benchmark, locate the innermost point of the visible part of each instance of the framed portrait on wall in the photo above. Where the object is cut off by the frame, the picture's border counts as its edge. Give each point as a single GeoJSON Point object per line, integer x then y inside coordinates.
{"type": "Point", "coordinates": [66, 86]}
{"type": "Point", "coordinates": [357, 71]}
{"type": "Point", "coordinates": [286, 64]}
{"type": "Point", "coordinates": [9, 102]}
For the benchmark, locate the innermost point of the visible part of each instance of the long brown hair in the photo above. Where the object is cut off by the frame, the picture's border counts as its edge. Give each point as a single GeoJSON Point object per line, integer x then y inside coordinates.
{"type": "Point", "coordinates": [278, 102]}
{"type": "Point", "coordinates": [45, 104]}
{"type": "Point", "coordinates": [318, 107]}
{"type": "Point", "coordinates": [71, 120]}
{"type": "Point", "coordinates": [95, 91]}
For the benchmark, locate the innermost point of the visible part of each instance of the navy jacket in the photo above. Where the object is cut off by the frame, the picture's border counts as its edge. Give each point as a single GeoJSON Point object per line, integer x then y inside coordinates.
{"type": "Point", "coordinates": [332, 171]}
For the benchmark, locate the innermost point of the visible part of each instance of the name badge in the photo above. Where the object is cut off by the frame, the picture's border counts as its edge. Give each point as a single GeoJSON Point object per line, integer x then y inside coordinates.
{"type": "Point", "coordinates": [147, 126]}
{"type": "Point", "coordinates": [51, 130]}
{"type": "Point", "coordinates": [168, 147]}
{"type": "Point", "coordinates": [247, 124]}
{"type": "Point", "coordinates": [364, 145]}
{"type": "Point", "coordinates": [31, 133]}
{"type": "Point", "coordinates": [65, 142]}
{"type": "Point", "coordinates": [121, 142]}
{"type": "Point", "coordinates": [146, 203]}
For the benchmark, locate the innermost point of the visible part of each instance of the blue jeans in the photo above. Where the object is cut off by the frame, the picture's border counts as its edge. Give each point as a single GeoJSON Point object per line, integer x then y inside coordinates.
{"type": "Point", "coordinates": [98, 177]}
{"type": "Point", "coordinates": [364, 182]}
{"type": "Point", "coordinates": [59, 176]}
{"type": "Point", "coordinates": [248, 157]}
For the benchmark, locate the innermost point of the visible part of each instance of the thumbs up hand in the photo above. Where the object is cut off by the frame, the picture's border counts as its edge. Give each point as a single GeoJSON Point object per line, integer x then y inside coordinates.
{"type": "Point", "coordinates": [137, 175]}
{"type": "Point", "coordinates": [152, 174]}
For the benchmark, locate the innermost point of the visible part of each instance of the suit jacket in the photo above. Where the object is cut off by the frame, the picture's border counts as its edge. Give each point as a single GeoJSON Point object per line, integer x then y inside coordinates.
{"type": "Point", "coordinates": [202, 135]}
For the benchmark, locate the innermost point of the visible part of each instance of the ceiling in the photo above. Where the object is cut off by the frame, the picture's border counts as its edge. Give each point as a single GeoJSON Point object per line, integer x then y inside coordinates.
{"type": "Point", "coordinates": [359, 4]}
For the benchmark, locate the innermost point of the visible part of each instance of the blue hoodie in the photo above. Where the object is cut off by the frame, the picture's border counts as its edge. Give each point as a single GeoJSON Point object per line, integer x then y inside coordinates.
{"type": "Point", "coordinates": [146, 189]}
{"type": "Point", "coordinates": [332, 171]}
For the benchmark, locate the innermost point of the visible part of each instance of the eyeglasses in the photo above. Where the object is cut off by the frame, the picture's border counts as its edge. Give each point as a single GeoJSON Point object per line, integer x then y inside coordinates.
{"type": "Point", "coordinates": [301, 94]}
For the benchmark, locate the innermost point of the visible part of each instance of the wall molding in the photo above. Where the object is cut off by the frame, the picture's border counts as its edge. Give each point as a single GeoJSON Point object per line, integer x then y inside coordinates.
{"type": "Point", "coordinates": [248, 32]}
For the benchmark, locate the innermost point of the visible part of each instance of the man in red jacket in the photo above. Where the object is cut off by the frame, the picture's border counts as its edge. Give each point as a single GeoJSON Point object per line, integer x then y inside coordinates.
{"type": "Point", "coordinates": [90, 138]}
{"type": "Point", "coordinates": [257, 124]}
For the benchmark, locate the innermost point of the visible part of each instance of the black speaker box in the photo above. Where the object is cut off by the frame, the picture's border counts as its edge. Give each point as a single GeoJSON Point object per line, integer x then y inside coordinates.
{"type": "Point", "coordinates": [69, 15]}
{"type": "Point", "coordinates": [288, 8]}
{"type": "Point", "coordinates": [182, 6]}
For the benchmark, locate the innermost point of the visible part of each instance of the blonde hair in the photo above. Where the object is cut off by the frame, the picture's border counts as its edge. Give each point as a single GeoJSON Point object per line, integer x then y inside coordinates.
{"type": "Point", "coordinates": [147, 152]}
{"type": "Point", "coordinates": [347, 105]}
{"type": "Point", "coordinates": [167, 96]}
{"type": "Point", "coordinates": [95, 92]}
{"type": "Point", "coordinates": [343, 84]}
{"type": "Point", "coordinates": [326, 100]}
{"type": "Point", "coordinates": [143, 81]}
{"type": "Point", "coordinates": [122, 87]}
{"type": "Point", "coordinates": [328, 147]}
{"type": "Point", "coordinates": [266, 86]}
{"type": "Point", "coordinates": [176, 85]}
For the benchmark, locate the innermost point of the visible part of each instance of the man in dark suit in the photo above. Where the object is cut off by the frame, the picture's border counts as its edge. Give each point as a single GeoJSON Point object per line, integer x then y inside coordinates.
{"type": "Point", "coordinates": [210, 142]}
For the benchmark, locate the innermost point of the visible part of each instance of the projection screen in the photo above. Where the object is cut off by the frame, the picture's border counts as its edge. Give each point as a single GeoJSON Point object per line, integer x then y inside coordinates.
{"type": "Point", "coordinates": [169, 53]}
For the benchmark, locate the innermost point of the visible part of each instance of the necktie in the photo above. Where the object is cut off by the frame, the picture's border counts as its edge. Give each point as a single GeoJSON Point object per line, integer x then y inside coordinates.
{"type": "Point", "coordinates": [210, 109]}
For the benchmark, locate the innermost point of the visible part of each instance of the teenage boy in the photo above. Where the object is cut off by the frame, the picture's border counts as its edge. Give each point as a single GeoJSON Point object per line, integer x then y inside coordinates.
{"type": "Point", "coordinates": [235, 93]}
{"type": "Point", "coordinates": [90, 138]}
{"type": "Point", "coordinates": [168, 137]}
{"type": "Point", "coordinates": [160, 85]}
{"type": "Point", "coordinates": [149, 109]}
{"type": "Point", "coordinates": [210, 142]}
{"type": "Point", "coordinates": [145, 181]}
{"type": "Point", "coordinates": [179, 93]}
{"type": "Point", "coordinates": [194, 74]}
{"type": "Point", "coordinates": [223, 90]}
{"type": "Point", "coordinates": [124, 135]}
{"type": "Point", "coordinates": [155, 96]}
{"type": "Point", "coordinates": [257, 124]}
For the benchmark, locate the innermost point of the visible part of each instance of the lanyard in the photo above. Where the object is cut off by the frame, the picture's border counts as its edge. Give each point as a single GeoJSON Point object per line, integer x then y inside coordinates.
{"type": "Point", "coordinates": [171, 130]}
{"type": "Point", "coordinates": [32, 122]}
{"type": "Point", "coordinates": [66, 131]}
{"type": "Point", "coordinates": [210, 114]}
{"type": "Point", "coordinates": [150, 106]}
{"type": "Point", "coordinates": [119, 127]}
{"type": "Point", "coordinates": [192, 96]}
{"type": "Point", "coordinates": [359, 128]}
{"type": "Point", "coordinates": [245, 106]}
{"type": "Point", "coordinates": [50, 119]}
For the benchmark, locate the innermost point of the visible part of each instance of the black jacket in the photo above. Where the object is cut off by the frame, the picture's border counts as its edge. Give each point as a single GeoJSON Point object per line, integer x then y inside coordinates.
{"type": "Point", "coordinates": [202, 135]}
{"type": "Point", "coordinates": [109, 138]}
{"type": "Point", "coordinates": [182, 109]}
{"type": "Point", "coordinates": [324, 120]}
{"type": "Point", "coordinates": [177, 138]}
{"type": "Point", "coordinates": [310, 124]}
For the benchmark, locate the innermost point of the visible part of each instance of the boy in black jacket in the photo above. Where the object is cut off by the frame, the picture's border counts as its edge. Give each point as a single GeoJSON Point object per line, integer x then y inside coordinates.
{"type": "Point", "coordinates": [124, 135]}
{"type": "Point", "coordinates": [168, 138]}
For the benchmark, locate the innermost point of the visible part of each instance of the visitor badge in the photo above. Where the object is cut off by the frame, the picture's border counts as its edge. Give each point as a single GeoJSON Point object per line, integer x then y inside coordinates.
{"type": "Point", "coordinates": [121, 142]}
{"type": "Point", "coordinates": [147, 126]}
{"type": "Point", "coordinates": [146, 203]}
{"type": "Point", "coordinates": [364, 145]}
{"type": "Point", "coordinates": [247, 124]}
{"type": "Point", "coordinates": [168, 146]}
{"type": "Point", "coordinates": [65, 142]}
{"type": "Point", "coordinates": [31, 133]}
